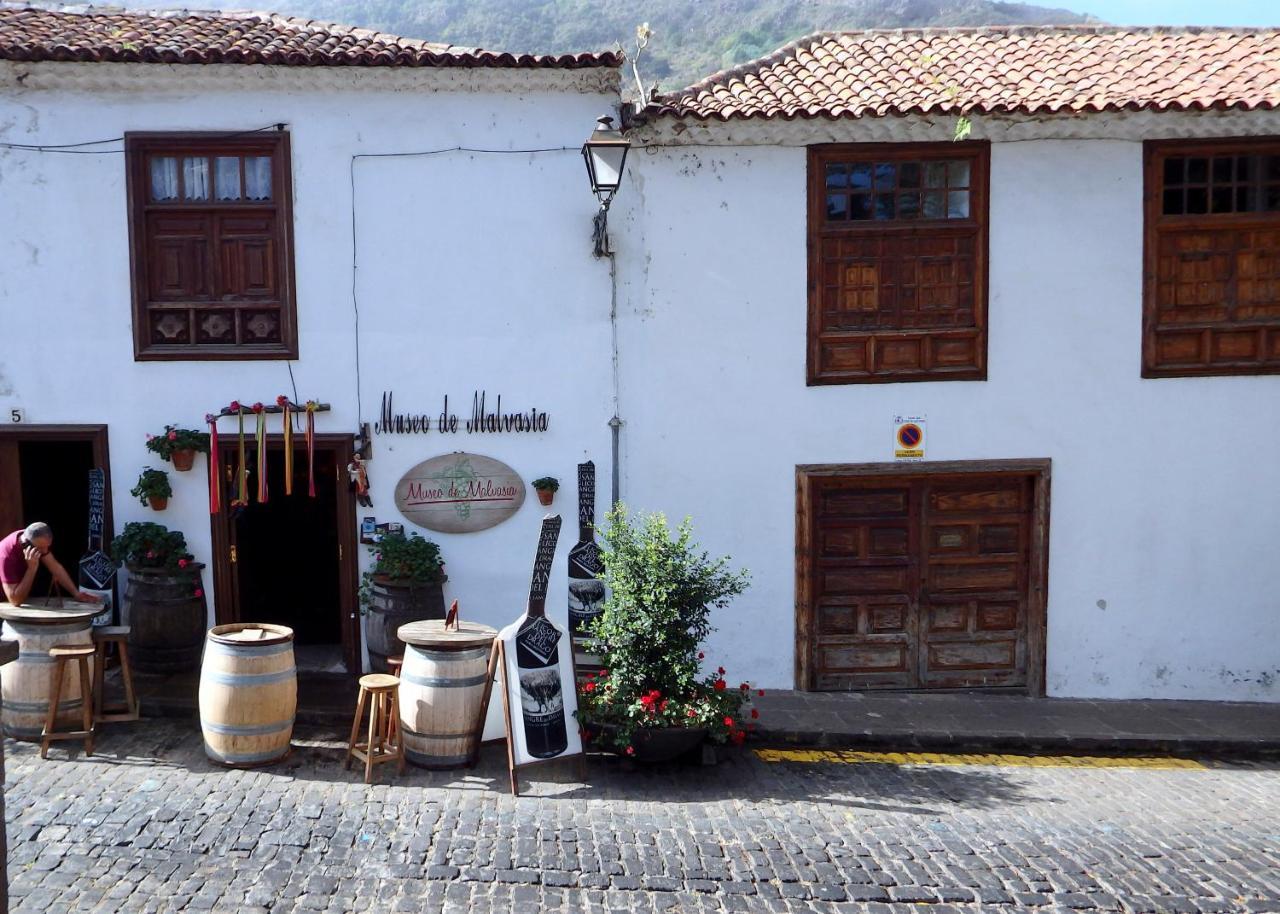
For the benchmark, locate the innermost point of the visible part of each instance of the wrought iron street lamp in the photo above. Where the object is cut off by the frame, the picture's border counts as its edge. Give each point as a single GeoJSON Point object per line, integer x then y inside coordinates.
{"type": "Point", "coordinates": [605, 153]}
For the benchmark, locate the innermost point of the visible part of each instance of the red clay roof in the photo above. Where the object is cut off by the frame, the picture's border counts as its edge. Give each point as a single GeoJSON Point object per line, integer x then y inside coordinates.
{"type": "Point", "coordinates": [105, 34]}
{"type": "Point", "coordinates": [993, 70]}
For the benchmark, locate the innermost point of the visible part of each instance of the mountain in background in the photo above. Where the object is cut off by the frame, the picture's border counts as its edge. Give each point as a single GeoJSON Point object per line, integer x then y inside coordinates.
{"type": "Point", "coordinates": [691, 38]}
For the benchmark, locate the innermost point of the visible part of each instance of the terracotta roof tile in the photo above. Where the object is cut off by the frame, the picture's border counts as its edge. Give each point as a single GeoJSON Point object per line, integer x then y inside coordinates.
{"type": "Point", "coordinates": [104, 34]}
{"type": "Point", "coordinates": [1019, 69]}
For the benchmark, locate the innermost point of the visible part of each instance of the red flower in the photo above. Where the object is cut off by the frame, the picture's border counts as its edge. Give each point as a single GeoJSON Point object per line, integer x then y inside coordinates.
{"type": "Point", "coordinates": [663, 706]}
{"type": "Point", "coordinates": [198, 593]}
{"type": "Point", "coordinates": [761, 693]}
{"type": "Point", "coordinates": [728, 721]}
{"type": "Point", "coordinates": [746, 687]}
{"type": "Point", "coordinates": [691, 713]}
{"type": "Point", "coordinates": [591, 675]}
{"type": "Point", "coordinates": [631, 750]}
{"type": "Point", "coordinates": [235, 406]}
{"type": "Point", "coordinates": [738, 737]}
{"type": "Point", "coordinates": [182, 563]}
{"type": "Point", "coordinates": [589, 687]}
{"type": "Point", "coordinates": [719, 685]}
{"type": "Point", "coordinates": [720, 671]}
{"type": "Point", "coordinates": [754, 714]}
{"type": "Point", "coordinates": [173, 436]}
{"type": "Point", "coordinates": [151, 554]}
{"type": "Point", "coordinates": [701, 656]}
{"type": "Point", "coordinates": [604, 673]}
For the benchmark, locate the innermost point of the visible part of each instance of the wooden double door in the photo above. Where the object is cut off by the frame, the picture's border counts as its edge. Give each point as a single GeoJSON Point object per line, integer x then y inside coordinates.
{"type": "Point", "coordinates": [927, 578]}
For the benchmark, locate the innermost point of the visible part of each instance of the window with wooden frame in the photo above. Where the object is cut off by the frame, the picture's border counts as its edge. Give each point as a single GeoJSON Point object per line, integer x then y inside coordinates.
{"type": "Point", "coordinates": [211, 240]}
{"type": "Point", "coordinates": [1212, 276]}
{"type": "Point", "coordinates": [897, 262]}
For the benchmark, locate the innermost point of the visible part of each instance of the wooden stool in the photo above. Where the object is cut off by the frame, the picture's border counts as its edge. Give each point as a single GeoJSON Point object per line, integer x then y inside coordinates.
{"type": "Point", "coordinates": [385, 743]}
{"type": "Point", "coordinates": [103, 637]}
{"type": "Point", "coordinates": [61, 654]}
{"type": "Point", "coordinates": [394, 664]}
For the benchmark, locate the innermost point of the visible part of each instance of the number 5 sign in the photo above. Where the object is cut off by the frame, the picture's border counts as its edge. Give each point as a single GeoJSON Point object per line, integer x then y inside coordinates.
{"type": "Point", "coordinates": [17, 414]}
{"type": "Point", "coordinates": [908, 437]}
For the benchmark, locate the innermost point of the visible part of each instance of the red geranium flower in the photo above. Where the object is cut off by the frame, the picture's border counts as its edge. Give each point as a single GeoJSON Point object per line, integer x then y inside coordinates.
{"type": "Point", "coordinates": [720, 671]}
{"type": "Point", "coordinates": [720, 685]}
{"type": "Point", "coordinates": [738, 737]}
{"type": "Point", "coordinates": [182, 563]}
{"type": "Point", "coordinates": [631, 750]}
{"type": "Point", "coordinates": [701, 656]}
{"type": "Point", "coordinates": [589, 687]}
{"type": "Point", "coordinates": [173, 436]}
{"type": "Point", "coordinates": [754, 714]}
{"type": "Point", "coordinates": [663, 706]}
{"type": "Point", "coordinates": [591, 675]}
{"type": "Point", "coordinates": [691, 713]}
{"type": "Point", "coordinates": [198, 593]}
{"type": "Point", "coordinates": [728, 721]}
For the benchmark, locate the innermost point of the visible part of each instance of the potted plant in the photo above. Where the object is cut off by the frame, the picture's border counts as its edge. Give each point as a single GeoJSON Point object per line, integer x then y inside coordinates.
{"type": "Point", "coordinates": [153, 489]}
{"type": "Point", "coordinates": [546, 487]}
{"type": "Point", "coordinates": [179, 445]}
{"type": "Point", "coordinates": [653, 700]}
{"type": "Point", "coordinates": [405, 584]}
{"type": "Point", "coordinates": [164, 599]}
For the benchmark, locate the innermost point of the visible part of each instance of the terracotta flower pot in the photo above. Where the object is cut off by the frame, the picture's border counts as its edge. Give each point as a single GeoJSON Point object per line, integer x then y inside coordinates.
{"type": "Point", "coordinates": [156, 503]}
{"type": "Point", "coordinates": [183, 460]}
{"type": "Point", "coordinates": [545, 496]}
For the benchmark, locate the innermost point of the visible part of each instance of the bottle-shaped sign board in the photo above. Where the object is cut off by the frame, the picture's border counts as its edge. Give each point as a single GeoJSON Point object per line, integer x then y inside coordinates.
{"type": "Point", "coordinates": [538, 674]}
{"type": "Point", "coordinates": [586, 591]}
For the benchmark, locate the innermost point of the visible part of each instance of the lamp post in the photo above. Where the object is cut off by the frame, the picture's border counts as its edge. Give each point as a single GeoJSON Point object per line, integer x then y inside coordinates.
{"type": "Point", "coordinates": [605, 153]}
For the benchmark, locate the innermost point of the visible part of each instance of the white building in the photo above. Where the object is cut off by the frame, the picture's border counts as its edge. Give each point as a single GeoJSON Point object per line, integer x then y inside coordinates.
{"type": "Point", "coordinates": [1083, 523]}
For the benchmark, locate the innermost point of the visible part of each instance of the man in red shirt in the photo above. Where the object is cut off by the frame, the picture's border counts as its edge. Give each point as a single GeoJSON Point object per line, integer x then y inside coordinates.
{"type": "Point", "coordinates": [21, 553]}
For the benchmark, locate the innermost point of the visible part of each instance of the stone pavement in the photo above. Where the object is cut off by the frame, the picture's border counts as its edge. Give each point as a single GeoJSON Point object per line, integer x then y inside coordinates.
{"type": "Point", "coordinates": [150, 826]}
{"type": "Point", "coordinates": [994, 721]}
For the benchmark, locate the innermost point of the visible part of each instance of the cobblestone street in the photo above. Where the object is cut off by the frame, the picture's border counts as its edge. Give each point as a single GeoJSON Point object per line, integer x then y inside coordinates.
{"type": "Point", "coordinates": [149, 826]}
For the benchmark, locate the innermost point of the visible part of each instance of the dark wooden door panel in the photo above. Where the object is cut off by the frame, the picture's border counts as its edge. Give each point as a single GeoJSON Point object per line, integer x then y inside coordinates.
{"type": "Point", "coordinates": [919, 581]}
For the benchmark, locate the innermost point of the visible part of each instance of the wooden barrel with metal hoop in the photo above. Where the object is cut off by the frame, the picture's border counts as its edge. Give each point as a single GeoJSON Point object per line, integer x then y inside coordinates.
{"type": "Point", "coordinates": [27, 682]}
{"type": "Point", "coordinates": [444, 684]}
{"type": "Point", "coordinates": [248, 693]}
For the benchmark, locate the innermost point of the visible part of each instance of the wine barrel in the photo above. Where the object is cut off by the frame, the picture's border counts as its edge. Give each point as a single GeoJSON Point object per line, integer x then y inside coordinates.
{"type": "Point", "coordinates": [391, 606]}
{"type": "Point", "coordinates": [443, 686]}
{"type": "Point", "coordinates": [248, 693]}
{"type": "Point", "coordinates": [167, 620]}
{"type": "Point", "coordinates": [27, 683]}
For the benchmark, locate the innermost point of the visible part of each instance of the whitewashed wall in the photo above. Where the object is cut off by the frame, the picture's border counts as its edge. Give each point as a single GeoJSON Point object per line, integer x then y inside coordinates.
{"type": "Point", "coordinates": [1162, 543]}
{"type": "Point", "coordinates": [475, 273]}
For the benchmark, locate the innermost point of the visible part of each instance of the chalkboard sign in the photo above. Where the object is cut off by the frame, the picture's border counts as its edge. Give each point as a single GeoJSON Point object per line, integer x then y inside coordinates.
{"type": "Point", "coordinates": [97, 508]}
{"type": "Point", "coordinates": [96, 569]}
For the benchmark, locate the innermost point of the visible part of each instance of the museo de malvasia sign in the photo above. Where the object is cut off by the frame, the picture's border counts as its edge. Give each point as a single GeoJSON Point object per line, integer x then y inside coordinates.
{"type": "Point", "coordinates": [487, 417]}
{"type": "Point", "coordinates": [459, 493]}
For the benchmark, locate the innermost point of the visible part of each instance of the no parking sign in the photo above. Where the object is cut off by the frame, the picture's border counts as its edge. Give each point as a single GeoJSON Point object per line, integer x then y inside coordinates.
{"type": "Point", "coordinates": [908, 437]}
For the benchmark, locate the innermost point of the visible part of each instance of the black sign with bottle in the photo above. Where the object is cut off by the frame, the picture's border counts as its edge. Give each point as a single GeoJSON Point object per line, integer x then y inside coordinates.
{"type": "Point", "coordinates": [586, 593]}
{"type": "Point", "coordinates": [546, 733]}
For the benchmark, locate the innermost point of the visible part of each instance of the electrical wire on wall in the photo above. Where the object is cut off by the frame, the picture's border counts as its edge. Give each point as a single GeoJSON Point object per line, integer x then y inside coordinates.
{"type": "Point", "coordinates": [80, 150]}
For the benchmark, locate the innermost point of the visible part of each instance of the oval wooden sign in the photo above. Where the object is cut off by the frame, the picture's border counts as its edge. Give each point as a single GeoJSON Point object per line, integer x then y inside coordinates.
{"type": "Point", "coordinates": [459, 493]}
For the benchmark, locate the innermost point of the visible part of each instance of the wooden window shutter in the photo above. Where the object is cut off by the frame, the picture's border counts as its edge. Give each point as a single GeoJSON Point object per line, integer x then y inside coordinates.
{"type": "Point", "coordinates": [1211, 283]}
{"type": "Point", "coordinates": [897, 262]}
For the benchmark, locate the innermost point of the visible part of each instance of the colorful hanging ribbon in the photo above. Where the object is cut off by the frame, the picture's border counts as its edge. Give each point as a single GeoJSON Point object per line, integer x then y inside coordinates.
{"type": "Point", "coordinates": [261, 436]}
{"type": "Point", "coordinates": [283, 402]}
{"type": "Point", "coordinates": [242, 471]}
{"type": "Point", "coordinates": [311, 448]}
{"type": "Point", "coordinates": [215, 484]}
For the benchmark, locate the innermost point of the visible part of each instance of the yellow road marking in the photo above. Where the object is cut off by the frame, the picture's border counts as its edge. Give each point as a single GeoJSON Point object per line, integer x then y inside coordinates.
{"type": "Point", "coordinates": [851, 757]}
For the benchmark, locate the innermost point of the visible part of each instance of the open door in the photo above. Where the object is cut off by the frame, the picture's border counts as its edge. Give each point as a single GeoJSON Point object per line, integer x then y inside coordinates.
{"type": "Point", "coordinates": [292, 559]}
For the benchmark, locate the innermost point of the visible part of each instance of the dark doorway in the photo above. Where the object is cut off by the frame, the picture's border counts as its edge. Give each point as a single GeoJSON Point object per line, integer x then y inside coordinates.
{"type": "Point", "coordinates": [44, 476]}
{"type": "Point", "coordinates": [288, 561]}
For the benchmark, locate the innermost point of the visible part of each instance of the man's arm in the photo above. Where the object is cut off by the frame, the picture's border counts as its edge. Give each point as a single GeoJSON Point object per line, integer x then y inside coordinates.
{"type": "Point", "coordinates": [64, 580]}
{"type": "Point", "coordinates": [18, 593]}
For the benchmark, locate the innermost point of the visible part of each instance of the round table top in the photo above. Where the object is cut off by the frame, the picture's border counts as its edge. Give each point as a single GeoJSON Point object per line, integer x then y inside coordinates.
{"type": "Point", "coordinates": [70, 613]}
{"type": "Point", "coordinates": [432, 633]}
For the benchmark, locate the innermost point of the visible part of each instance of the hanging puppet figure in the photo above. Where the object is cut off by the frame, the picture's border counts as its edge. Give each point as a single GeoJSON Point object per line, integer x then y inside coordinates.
{"type": "Point", "coordinates": [359, 481]}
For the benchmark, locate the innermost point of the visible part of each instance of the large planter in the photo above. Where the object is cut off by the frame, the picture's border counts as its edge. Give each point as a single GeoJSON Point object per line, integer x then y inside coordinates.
{"type": "Point", "coordinates": [183, 460]}
{"type": "Point", "coordinates": [167, 620]}
{"type": "Point", "coordinates": [657, 744]}
{"type": "Point", "coordinates": [393, 603]}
